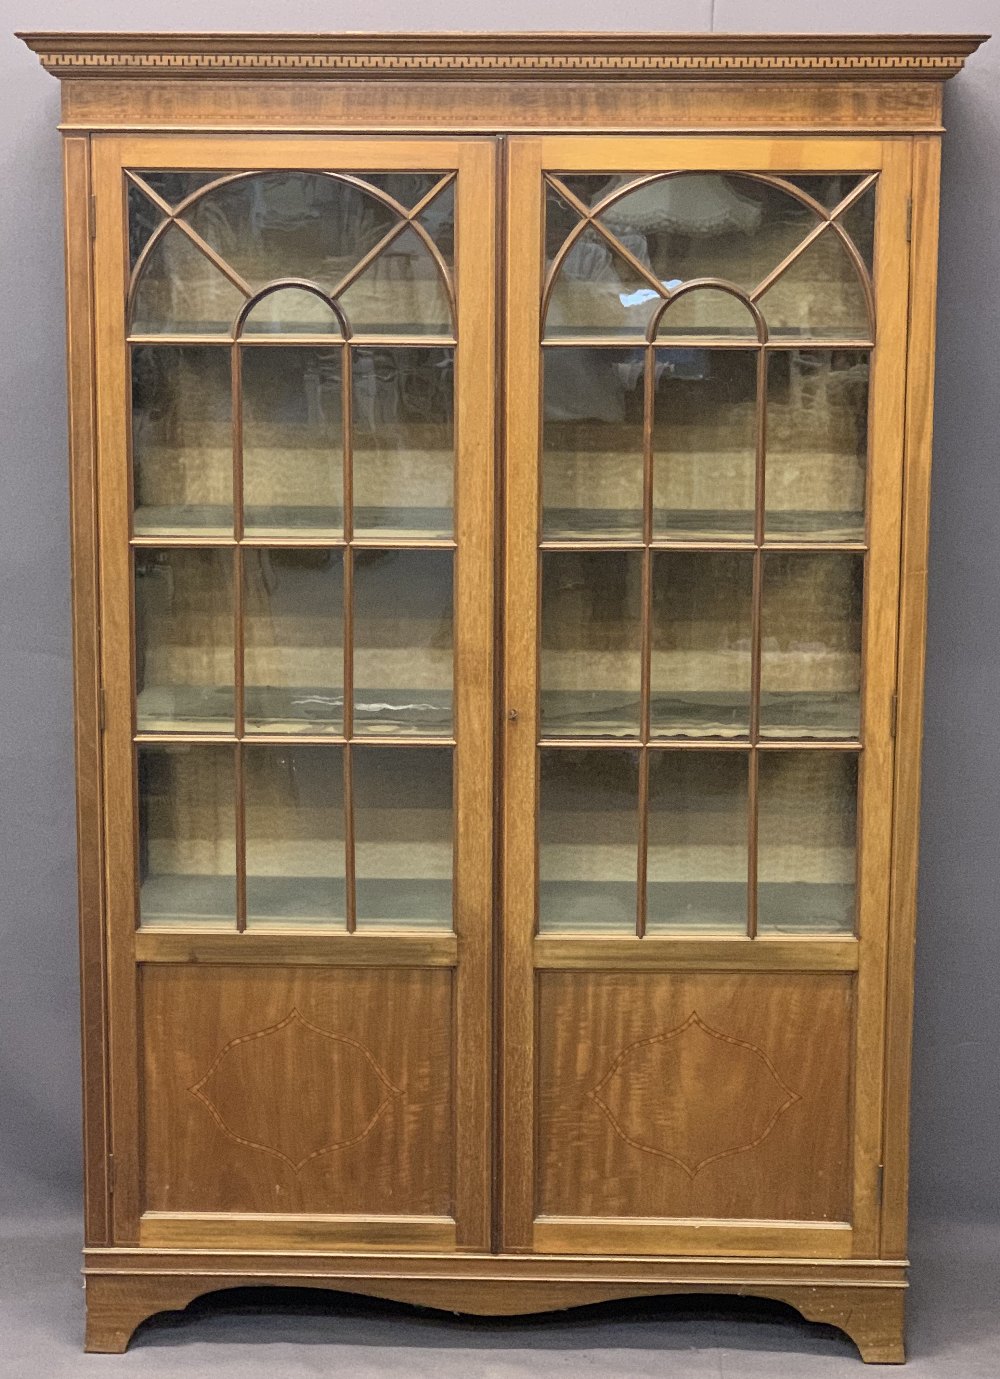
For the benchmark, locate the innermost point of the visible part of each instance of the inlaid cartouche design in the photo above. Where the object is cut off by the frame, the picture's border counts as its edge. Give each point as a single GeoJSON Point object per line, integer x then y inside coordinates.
{"type": "Point", "coordinates": [650, 1095]}
{"type": "Point", "coordinates": [332, 1091]}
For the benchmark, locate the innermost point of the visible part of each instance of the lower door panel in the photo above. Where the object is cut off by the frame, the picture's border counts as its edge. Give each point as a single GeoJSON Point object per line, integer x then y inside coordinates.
{"type": "Point", "coordinates": [667, 1099]}
{"type": "Point", "coordinates": [303, 1106]}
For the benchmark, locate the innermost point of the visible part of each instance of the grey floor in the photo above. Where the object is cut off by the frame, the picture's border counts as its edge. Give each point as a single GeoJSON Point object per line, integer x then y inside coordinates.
{"type": "Point", "coordinates": [954, 1329]}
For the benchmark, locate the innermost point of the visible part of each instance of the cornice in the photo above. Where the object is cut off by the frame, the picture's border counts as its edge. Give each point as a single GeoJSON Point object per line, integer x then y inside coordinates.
{"type": "Point", "coordinates": [933, 57]}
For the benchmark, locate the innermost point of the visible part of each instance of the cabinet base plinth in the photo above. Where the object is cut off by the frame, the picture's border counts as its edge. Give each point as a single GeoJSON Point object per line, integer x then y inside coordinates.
{"type": "Point", "coordinates": [864, 1299]}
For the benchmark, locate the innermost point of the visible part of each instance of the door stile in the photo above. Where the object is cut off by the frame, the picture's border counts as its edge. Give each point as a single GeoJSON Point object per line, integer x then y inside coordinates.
{"type": "Point", "coordinates": [520, 710]}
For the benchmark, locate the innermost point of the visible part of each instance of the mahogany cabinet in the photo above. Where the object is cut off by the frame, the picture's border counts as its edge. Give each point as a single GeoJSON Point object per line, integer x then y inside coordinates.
{"type": "Point", "coordinates": [500, 479]}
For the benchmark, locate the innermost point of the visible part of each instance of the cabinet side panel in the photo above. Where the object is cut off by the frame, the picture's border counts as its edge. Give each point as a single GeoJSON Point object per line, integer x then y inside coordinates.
{"type": "Point", "coordinates": [83, 536]}
{"type": "Point", "coordinates": [912, 630]}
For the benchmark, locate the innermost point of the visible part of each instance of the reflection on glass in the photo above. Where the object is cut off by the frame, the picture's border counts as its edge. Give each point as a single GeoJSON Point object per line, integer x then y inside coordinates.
{"type": "Point", "coordinates": [173, 187]}
{"type": "Point", "coordinates": [818, 295]}
{"type": "Point", "coordinates": [696, 865]}
{"type": "Point", "coordinates": [293, 465]}
{"type": "Point", "coordinates": [403, 443]}
{"type": "Point", "coordinates": [707, 311]}
{"type": "Point", "coordinates": [291, 225]}
{"type": "Point", "coordinates": [807, 842]}
{"type": "Point", "coordinates": [591, 640]}
{"type": "Point", "coordinates": [597, 291]}
{"type": "Point", "coordinates": [438, 219]}
{"type": "Point", "coordinates": [143, 218]}
{"type": "Point", "coordinates": [817, 444]}
{"type": "Point", "coordinates": [181, 292]}
{"type": "Point", "coordinates": [184, 640]}
{"type": "Point", "coordinates": [592, 456]}
{"type": "Point", "coordinates": [588, 840]}
{"type": "Point", "coordinates": [859, 222]}
{"type": "Point", "coordinates": [402, 292]}
{"type": "Point", "coordinates": [405, 187]}
{"type": "Point", "coordinates": [187, 832]}
{"type": "Point", "coordinates": [709, 225]}
{"type": "Point", "coordinates": [291, 311]}
{"type": "Point", "coordinates": [293, 635]}
{"type": "Point", "coordinates": [182, 442]}
{"type": "Point", "coordinates": [704, 444]}
{"type": "Point", "coordinates": [811, 645]}
{"type": "Point", "coordinates": [829, 189]}
{"type": "Point", "coordinates": [294, 804]}
{"type": "Point", "coordinates": [403, 676]}
{"type": "Point", "coordinates": [700, 639]}
{"type": "Point", "coordinates": [403, 833]}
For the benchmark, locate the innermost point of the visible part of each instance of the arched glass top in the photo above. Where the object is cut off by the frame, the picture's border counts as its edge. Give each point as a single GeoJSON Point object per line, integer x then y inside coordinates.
{"type": "Point", "coordinates": [771, 257]}
{"type": "Point", "coordinates": [291, 253]}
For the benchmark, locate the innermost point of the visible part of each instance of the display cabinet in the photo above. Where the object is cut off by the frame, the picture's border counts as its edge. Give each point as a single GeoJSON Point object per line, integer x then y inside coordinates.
{"type": "Point", "coordinates": [500, 478]}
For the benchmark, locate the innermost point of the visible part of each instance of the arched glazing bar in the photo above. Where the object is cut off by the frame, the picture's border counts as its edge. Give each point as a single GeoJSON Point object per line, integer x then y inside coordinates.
{"type": "Point", "coordinates": [406, 219]}
{"type": "Point", "coordinates": [828, 221]}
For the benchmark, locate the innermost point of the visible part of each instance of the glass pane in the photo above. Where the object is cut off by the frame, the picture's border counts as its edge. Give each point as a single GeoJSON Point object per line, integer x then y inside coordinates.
{"type": "Point", "coordinates": [401, 292]}
{"type": "Point", "coordinates": [181, 292]}
{"type": "Point", "coordinates": [187, 833]}
{"type": "Point", "coordinates": [404, 442]}
{"type": "Point", "coordinates": [403, 837]}
{"type": "Point", "coordinates": [707, 311]}
{"type": "Point", "coordinates": [173, 187]}
{"type": "Point", "coordinates": [291, 225]}
{"type": "Point", "coordinates": [405, 187]}
{"type": "Point", "coordinates": [439, 222]}
{"type": "Point", "coordinates": [807, 835]}
{"type": "Point", "coordinates": [293, 632]}
{"type": "Point", "coordinates": [811, 645]}
{"type": "Point", "coordinates": [403, 674]}
{"type": "Point", "coordinates": [591, 642]}
{"type": "Point", "coordinates": [704, 444]}
{"type": "Point", "coordinates": [829, 189]}
{"type": "Point", "coordinates": [696, 865]}
{"type": "Point", "coordinates": [182, 440]}
{"type": "Point", "coordinates": [143, 218]}
{"type": "Point", "coordinates": [292, 311]}
{"type": "Point", "coordinates": [700, 660]}
{"type": "Point", "coordinates": [859, 222]}
{"type": "Point", "coordinates": [294, 836]}
{"type": "Point", "coordinates": [817, 445]}
{"type": "Point", "coordinates": [293, 441]}
{"type": "Point", "coordinates": [184, 641]}
{"type": "Point", "coordinates": [598, 292]}
{"type": "Point", "coordinates": [588, 841]}
{"type": "Point", "coordinates": [592, 460]}
{"type": "Point", "coordinates": [709, 225]}
{"type": "Point", "coordinates": [818, 295]}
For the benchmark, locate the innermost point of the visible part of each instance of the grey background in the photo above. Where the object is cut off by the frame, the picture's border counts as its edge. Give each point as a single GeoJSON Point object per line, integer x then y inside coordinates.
{"type": "Point", "coordinates": [956, 1134]}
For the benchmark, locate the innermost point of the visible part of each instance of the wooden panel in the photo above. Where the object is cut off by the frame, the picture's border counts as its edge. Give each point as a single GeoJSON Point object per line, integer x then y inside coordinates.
{"type": "Point", "coordinates": [241, 1231]}
{"type": "Point", "coordinates": [718, 1096]}
{"type": "Point", "coordinates": [653, 106]}
{"type": "Point", "coordinates": [303, 1090]}
{"type": "Point", "coordinates": [698, 954]}
{"type": "Point", "coordinates": [611, 1235]}
{"type": "Point", "coordinates": [298, 949]}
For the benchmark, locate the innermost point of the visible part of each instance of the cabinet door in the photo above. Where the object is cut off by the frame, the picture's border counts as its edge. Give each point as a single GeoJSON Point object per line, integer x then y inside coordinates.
{"type": "Point", "coordinates": [704, 432]}
{"type": "Point", "coordinates": [296, 526]}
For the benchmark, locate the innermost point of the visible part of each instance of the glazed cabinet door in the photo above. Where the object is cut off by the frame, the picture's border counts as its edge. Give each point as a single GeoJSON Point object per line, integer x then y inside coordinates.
{"type": "Point", "coordinates": [294, 342]}
{"type": "Point", "coordinates": [704, 453]}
